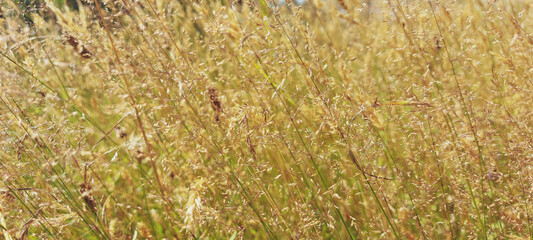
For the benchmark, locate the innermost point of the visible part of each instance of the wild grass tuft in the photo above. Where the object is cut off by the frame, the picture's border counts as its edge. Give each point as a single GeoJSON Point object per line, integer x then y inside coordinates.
{"type": "Point", "coordinates": [266, 119]}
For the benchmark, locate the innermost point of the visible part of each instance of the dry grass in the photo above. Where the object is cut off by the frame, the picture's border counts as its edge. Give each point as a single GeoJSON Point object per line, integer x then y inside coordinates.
{"type": "Point", "coordinates": [208, 119]}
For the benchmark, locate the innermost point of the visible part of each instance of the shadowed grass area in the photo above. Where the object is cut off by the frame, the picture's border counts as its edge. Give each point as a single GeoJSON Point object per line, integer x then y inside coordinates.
{"type": "Point", "coordinates": [266, 120]}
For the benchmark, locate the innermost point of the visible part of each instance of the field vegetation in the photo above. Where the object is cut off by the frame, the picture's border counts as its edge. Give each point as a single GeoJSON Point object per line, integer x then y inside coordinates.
{"type": "Point", "coordinates": [258, 119]}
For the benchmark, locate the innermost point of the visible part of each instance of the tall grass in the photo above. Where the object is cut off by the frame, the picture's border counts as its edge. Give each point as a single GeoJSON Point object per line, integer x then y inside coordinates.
{"type": "Point", "coordinates": [266, 120]}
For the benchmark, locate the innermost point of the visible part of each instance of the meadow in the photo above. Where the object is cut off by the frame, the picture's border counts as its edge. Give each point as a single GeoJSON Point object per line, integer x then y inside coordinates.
{"type": "Point", "coordinates": [260, 119]}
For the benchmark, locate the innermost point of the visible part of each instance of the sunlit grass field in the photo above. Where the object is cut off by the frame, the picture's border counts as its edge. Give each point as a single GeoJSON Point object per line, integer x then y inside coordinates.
{"type": "Point", "coordinates": [257, 119]}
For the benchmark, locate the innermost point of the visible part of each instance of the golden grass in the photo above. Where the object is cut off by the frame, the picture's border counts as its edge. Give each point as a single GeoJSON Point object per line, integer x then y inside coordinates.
{"type": "Point", "coordinates": [254, 120]}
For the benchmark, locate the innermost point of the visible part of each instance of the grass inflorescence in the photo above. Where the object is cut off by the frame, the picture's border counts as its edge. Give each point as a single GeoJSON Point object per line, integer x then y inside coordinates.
{"type": "Point", "coordinates": [261, 119]}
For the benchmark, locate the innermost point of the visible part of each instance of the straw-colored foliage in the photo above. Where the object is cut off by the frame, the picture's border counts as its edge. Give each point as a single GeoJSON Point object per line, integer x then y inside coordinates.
{"type": "Point", "coordinates": [261, 119]}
